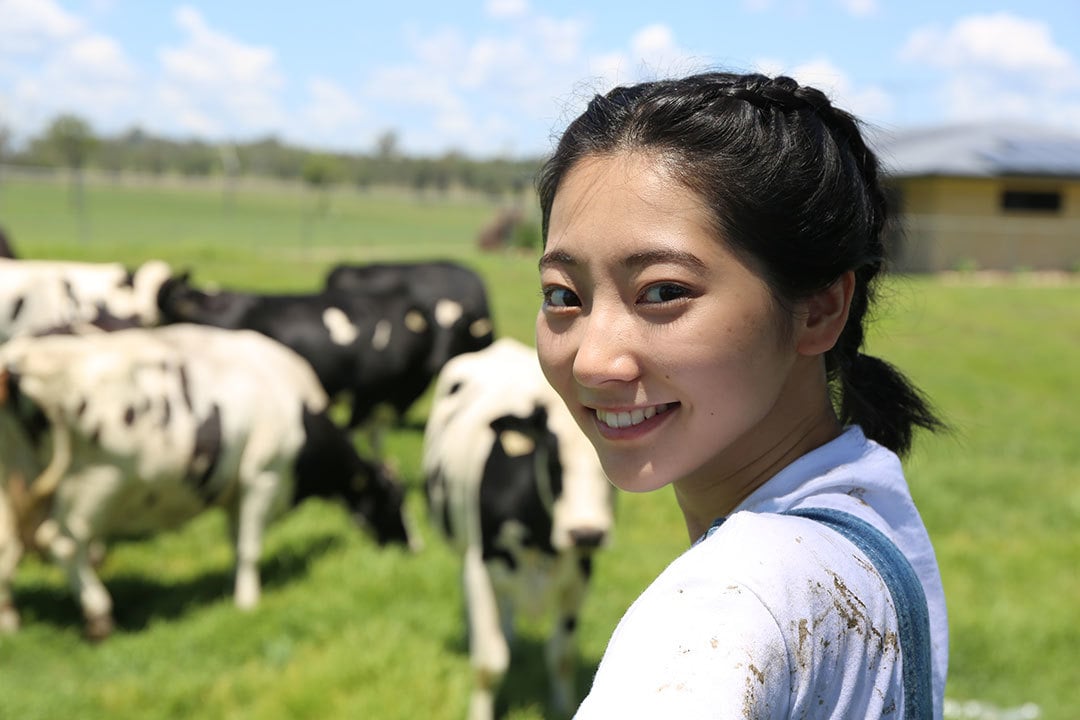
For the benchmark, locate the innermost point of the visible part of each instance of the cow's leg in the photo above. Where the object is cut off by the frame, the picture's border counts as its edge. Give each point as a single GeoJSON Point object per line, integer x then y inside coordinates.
{"type": "Point", "coordinates": [489, 653]}
{"type": "Point", "coordinates": [10, 553]}
{"type": "Point", "coordinates": [249, 521]}
{"type": "Point", "coordinates": [561, 650]}
{"type": "Point", "coordinates": [68, 535]}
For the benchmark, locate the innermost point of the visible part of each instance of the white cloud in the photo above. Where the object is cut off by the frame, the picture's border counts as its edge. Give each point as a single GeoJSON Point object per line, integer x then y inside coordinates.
{"type": "Point", "coordinates": [1000, 66]}
{"type": "Point", "coordinates": [860, 8]}
{"type": "Point", "coordinates": [1002, 42]}
{"type": "Point", "coordinates": [55, 63]}
{"type": "Point", "coordinates": [870, 103]}
{"type": "Point", "coordinates": [97, 57]}
{"type": "Point", "coordinates": [216, 84]}
{"type": "Point", "coordinates": [331, 115]}
{"type": "Point", "coordinates": [34, 26]}
{"type": "Point", "coordinates": [506, 8]}
{"type": "Point", "coordinates": [651, 52]}
{"type": "Point", "coordinates": [483, 90]}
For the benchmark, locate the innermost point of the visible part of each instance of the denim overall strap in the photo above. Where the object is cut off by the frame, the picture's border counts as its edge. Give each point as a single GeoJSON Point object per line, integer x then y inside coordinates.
{"type": "Point", "coordinates": [907, 596]}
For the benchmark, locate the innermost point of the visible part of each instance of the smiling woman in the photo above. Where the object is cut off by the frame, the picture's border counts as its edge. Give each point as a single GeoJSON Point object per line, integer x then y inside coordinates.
{"type": "Point", "coordinates": [711, 245]}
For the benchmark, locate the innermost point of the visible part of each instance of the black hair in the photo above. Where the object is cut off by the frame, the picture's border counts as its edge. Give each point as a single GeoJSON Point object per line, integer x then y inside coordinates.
{"type": "Point", "coordinates": [794, 191]}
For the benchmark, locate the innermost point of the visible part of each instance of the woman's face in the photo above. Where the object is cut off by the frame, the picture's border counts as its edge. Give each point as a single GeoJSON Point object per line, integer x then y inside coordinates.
{"type": "Point", "coordinates": [668, 350]}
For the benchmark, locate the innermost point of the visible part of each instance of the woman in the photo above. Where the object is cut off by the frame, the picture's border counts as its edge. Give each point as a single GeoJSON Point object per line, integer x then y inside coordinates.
{"type": "Point", "coordinates": [711, 246]}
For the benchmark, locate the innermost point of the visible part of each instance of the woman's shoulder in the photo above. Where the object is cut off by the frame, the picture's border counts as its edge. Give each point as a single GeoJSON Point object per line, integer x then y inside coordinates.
{"type": "Point", "coordinates": [794, 565]}
{"type": "Point", "coordinates": [774, 604]}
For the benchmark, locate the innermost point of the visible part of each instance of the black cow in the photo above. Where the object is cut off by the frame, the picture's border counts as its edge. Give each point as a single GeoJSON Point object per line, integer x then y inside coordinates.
{"type": "Point", "coordinates": [453, 295]}
{"type": "Point", "coordinates": [376, 348]}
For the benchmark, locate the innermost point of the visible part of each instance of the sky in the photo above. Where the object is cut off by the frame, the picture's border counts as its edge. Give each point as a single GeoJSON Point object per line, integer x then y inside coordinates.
{"type": "Point", "coordinates": [503, 77]}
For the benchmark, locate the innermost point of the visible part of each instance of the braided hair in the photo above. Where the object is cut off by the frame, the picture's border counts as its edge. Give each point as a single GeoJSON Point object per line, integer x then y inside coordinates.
{"type": "Point", "coordinates": [794, 191]}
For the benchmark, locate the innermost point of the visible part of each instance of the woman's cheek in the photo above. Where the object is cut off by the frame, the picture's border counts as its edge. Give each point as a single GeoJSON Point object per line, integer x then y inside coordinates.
{"type": "Point", "coordinates": [550, 349]}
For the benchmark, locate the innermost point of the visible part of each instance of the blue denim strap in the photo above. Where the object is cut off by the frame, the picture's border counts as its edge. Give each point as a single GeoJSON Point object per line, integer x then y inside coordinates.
{"type": "Point", "coordinates": [912, 614]}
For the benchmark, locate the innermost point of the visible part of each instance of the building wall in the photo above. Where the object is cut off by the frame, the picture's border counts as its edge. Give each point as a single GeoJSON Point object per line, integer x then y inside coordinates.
{"type": "Point", "coordinates": [955, 223]}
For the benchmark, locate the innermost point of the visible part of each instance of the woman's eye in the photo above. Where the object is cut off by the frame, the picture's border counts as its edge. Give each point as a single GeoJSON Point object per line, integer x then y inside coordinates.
{"type": "Point", "coordinates": [663, 293]}
{"type": "Point", "coordinates": [560, 297]}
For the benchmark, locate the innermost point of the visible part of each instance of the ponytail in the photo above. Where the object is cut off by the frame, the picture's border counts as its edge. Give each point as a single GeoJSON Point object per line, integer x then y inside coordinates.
{"type": "Point", "coordinates": [883, 402]}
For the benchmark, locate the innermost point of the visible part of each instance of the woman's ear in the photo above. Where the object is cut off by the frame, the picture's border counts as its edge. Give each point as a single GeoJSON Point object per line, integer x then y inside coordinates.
{"type": "Point", "coordinates": [824, 316]}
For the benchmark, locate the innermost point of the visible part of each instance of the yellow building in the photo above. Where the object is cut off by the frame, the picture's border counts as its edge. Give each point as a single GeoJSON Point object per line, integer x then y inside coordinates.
{"type": "Point", "coordinates": [987, 197]}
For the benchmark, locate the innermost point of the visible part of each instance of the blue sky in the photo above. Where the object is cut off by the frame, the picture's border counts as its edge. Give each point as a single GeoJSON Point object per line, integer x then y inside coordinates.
{"type": "Point", "coordinates": [501, 76]}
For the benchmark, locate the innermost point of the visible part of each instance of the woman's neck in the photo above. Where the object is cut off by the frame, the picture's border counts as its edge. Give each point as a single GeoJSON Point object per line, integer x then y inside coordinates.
{"type": "Point", "coordinates": [783, 437]}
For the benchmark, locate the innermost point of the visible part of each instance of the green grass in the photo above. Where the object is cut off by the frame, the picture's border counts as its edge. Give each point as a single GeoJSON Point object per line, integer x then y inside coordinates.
{"type": "Point", "coordinates": [348, 630]}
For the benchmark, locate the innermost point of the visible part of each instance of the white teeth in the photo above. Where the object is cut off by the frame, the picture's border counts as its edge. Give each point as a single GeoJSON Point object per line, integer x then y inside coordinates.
{"type": "Point", "coordinates": [631, 418]}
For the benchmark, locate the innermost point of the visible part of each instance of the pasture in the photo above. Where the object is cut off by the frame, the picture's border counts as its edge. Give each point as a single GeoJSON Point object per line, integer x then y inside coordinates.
{"type": "Point", "coordinates": [346, 630]}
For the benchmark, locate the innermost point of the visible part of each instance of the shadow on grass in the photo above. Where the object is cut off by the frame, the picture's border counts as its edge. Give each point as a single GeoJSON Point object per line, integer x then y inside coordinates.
{"type": "Point", "coordinates": [526, 684]}
{"type": "Point", "coordinates": [140, 599]}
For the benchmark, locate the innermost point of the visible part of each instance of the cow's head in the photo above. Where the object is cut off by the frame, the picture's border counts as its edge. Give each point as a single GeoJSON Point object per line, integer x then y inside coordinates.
{"type": "Point", "coordinates": [181, 302]}
{"type": "Point", "coordinates": [174, 298]}
{"type": "Point", "coordinates": [377, 504]}
{"type": "Point", "coordinates": [328, 466]}
{"type": "Point", "coordinates": [584, 512]}
{"type": "Point", "coordinates": [574, 494]}
{"type": "Point", "coordinates": [458, 330]}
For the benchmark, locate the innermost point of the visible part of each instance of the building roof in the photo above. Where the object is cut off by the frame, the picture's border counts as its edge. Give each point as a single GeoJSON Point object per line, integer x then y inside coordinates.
{"type": "Point", "coordinates": [985, 150]}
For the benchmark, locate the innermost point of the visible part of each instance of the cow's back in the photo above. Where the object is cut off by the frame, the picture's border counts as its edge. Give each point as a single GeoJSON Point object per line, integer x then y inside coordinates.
{"type": "Point", "coordinates": [177, 411]}
{"type": "Point", "coordinates": [42, 295]}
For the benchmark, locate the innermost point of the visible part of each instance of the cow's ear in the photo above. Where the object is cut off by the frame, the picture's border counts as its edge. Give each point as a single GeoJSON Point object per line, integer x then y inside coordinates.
{"type": "Point", "coordinates": [539, 418]}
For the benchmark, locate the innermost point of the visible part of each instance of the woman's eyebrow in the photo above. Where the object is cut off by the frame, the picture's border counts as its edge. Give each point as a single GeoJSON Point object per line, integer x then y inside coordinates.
{"type": "Point", "coordinates": [639, 260]}
{"type": "Point", "coordinates": [634, 261]}
{"type": "Point", "coordinates": [557, 257]}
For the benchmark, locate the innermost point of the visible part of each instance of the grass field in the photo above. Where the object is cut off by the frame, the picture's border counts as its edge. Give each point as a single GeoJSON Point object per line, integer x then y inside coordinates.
{"type": "Point", "coordinates": [346, 630]}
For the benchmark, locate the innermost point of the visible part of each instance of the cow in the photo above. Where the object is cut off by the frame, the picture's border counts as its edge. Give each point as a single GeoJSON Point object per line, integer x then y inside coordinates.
{"type": "Point", "coordinates": [374, 349]}
{"type": "Point", "coordinates": [452, 294]}
{"type": "Point", "coordinates": [39, 296]}
{"type": "Point", "coordinates": [142, 429]}
{"type": "Point", "coordinates": [518, 491]}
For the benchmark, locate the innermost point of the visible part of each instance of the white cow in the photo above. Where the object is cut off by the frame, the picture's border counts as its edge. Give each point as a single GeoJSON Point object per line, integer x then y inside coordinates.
{"type": "Point", "coordinates": [142, 429]}
{"type": "Point", "coordinates": [518, 490]}
{"type": "Point", "coordinates": [42, 295]}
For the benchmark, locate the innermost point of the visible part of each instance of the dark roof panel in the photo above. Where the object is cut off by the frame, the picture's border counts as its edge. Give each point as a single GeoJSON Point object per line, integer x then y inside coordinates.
{"type": "Point", "coordinates": [987, 150]}
{"type": "Point", "coordinates": [1036, 156]}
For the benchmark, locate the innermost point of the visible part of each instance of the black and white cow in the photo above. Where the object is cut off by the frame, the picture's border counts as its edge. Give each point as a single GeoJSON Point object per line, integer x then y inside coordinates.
{"type": "Point", "coordinates": [453, 295]}
{"type": "Point", "coordinates": [518, 490]}
{"type": "Point", "coordinates": [142, 429]}
{"type": "Point", "coordinates": [42, 295]}
{"type": "Point", "coordinates": [375, 349]}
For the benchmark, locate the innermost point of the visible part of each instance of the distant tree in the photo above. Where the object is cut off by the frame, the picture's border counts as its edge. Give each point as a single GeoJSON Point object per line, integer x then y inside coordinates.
{"type": "Point", "coordinates": [386, 146]}
{"type": "Point", "coordinates": [72, 139]}
{"type": "Point", "coordinates": [231, 170]}
{"type": "Point", "coordinates": [321, 171]}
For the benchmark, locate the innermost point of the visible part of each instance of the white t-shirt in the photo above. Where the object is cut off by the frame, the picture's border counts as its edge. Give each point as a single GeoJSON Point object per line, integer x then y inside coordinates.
{"type": "Point", "coordinates": [777, 616]}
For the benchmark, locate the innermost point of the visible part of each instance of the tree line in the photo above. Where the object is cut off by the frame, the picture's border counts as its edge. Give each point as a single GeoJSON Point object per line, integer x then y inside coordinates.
{"type": "Point", "coordinates": [69, 141]}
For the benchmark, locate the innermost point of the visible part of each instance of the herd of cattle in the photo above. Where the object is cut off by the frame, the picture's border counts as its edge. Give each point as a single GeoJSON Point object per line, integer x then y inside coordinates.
{"type": "Point", "coordinates": [131, 401]}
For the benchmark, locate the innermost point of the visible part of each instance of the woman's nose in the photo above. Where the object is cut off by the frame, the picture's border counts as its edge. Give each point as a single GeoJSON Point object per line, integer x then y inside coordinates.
{"type": "Point", "coordinates": [606, 352]}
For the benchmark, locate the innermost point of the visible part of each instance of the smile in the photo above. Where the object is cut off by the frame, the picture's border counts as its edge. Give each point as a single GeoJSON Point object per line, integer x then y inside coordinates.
{"type": "Point", "coordinates": [629, 418]}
